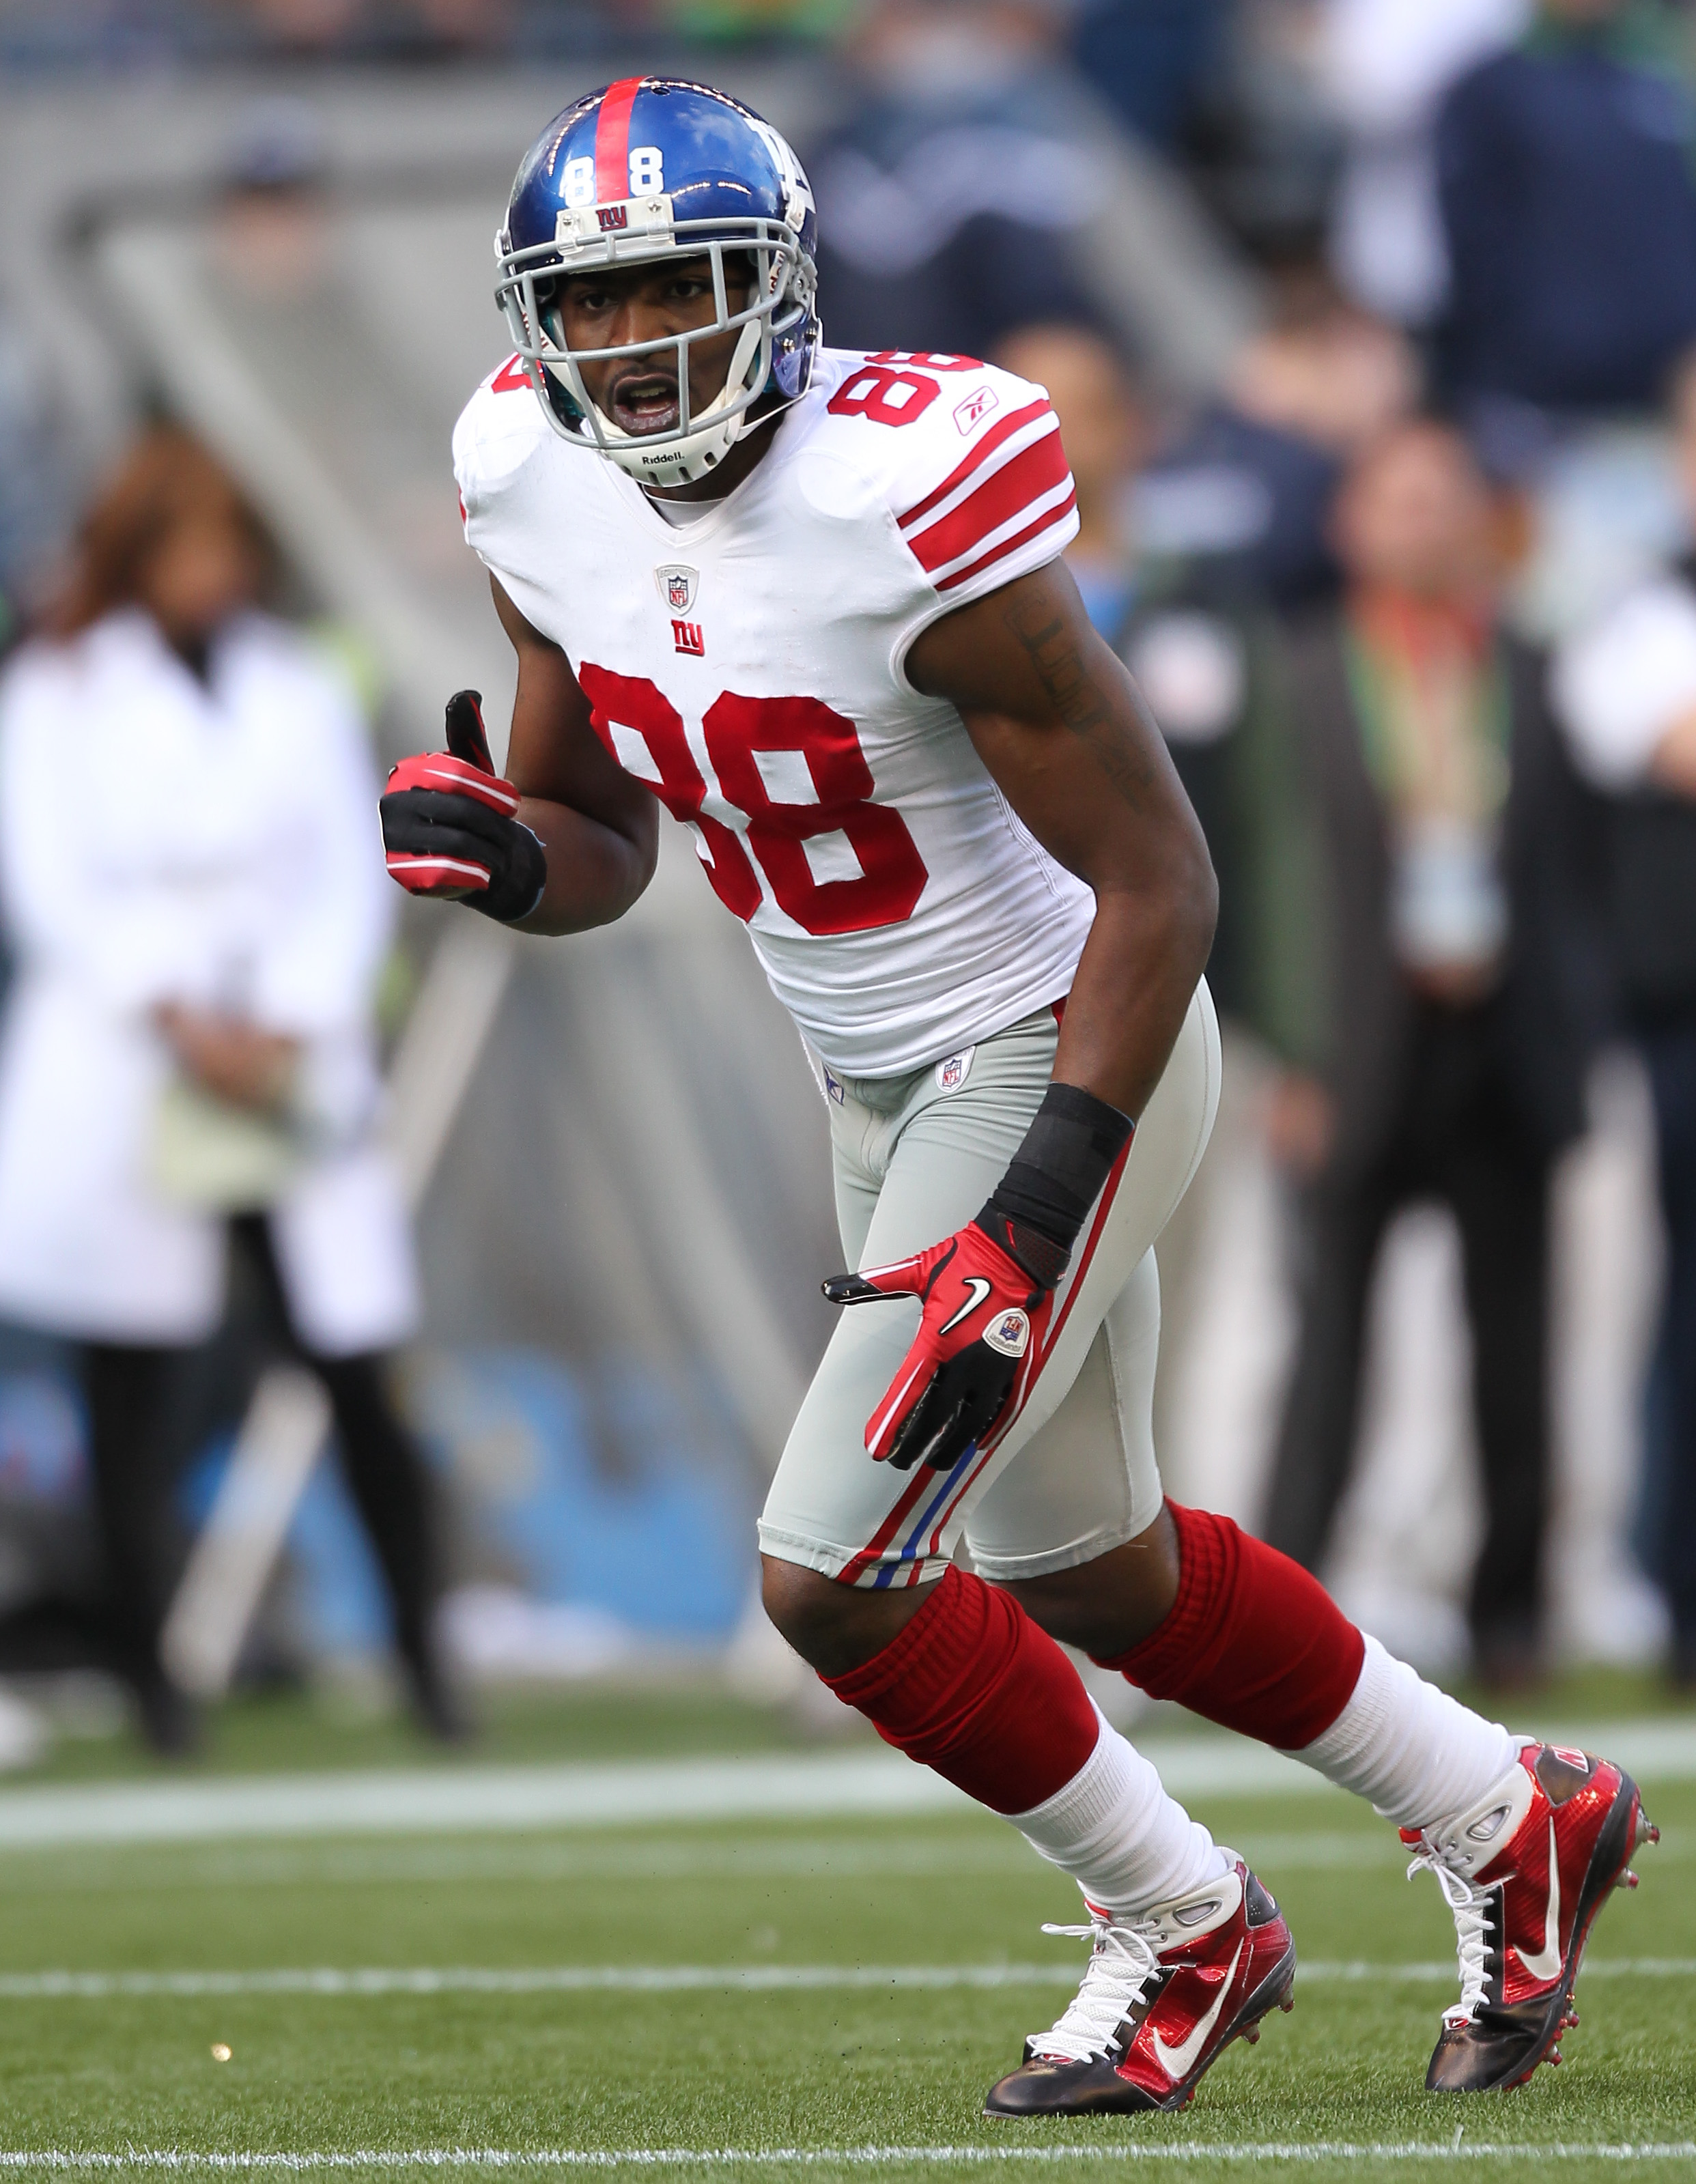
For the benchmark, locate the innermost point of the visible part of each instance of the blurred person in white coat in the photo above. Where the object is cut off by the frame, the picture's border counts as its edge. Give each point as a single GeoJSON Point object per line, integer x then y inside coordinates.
{"type": "Point", "coordinates": [185, 852]}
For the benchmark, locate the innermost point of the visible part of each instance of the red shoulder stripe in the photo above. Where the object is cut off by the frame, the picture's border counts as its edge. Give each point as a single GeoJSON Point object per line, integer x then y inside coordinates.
{"type": "Point", "coordinates": [612, 141]}
{"type": "Point", "coordinates": [1035, 470]}
{"type": "Point", "coordinates": [1048, 517]}
{"type": "Point", "coordinates": [987, 446]}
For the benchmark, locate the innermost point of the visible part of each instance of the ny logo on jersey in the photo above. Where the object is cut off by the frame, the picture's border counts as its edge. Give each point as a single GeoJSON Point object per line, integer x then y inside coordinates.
{"type": "Point", "coordinates": [688, 639]}
{"type": "Point", "coordinates": [677, 582]}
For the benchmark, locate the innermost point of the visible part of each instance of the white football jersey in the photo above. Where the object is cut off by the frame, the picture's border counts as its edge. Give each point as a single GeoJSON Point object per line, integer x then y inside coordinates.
{"type": "Point", "coordinates": [748, 665]}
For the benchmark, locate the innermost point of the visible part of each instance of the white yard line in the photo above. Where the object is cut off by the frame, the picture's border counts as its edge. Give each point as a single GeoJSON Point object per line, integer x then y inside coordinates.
{"type": "Point", "coordinates": [1119, 2149]}
{"type": "Point", "coordinates": [681, 1979]}
{"type": "Point", "coordinates": [441, 1801]}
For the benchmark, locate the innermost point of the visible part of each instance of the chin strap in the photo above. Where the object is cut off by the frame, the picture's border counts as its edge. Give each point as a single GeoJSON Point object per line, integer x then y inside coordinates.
{"type": "Point", "coordinates": [710, 438]}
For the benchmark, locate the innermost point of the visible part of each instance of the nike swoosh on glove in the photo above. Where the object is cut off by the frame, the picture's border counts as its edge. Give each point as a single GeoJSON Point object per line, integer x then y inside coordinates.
{"type": "Point", "coordinates": [982, 1313]}
{"type": "Point", "coordinates": [449, 824]}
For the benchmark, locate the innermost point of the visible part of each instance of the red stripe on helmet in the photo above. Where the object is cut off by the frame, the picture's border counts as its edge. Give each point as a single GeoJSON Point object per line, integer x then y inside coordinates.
{"type": "Point", "coordinates": [612, 141]}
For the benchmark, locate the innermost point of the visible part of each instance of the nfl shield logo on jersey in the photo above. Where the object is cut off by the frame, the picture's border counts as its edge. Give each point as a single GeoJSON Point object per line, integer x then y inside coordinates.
{"type": "Point", "coordinates": [677, 582]}
{"type": "Point", "coordinates": [950, 1074]}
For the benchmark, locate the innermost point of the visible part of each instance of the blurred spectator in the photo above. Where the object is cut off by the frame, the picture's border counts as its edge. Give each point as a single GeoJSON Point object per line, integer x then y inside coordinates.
{"type": "Point", "coordinates": [946, 195]}
{"type": "Point", "coordinates": [1569, 205]}
{"type": "Point", "coordinates": [1154, 61]}
{"type": "Point", "coordinates": [1626, 692]}
{"type": "Point", "coordinates": [1107, 431]}
{"type": "Point", "coordinates": [1385, 64]}
{"type": "Point", "coordinates": [195, 892]}
{"type": "Point", "coordinates": [1450, 1008]}
{"type": "Point", "coordinates": [1243, 493]}
{"type": "Point", "coordinates": [1263, 147]}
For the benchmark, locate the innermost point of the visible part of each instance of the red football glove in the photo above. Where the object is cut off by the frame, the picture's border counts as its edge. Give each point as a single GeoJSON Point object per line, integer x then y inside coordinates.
{"type": "Point", "coordinates": [982, 1314]}
{"type": "Point", "coordinates": [448, 827]}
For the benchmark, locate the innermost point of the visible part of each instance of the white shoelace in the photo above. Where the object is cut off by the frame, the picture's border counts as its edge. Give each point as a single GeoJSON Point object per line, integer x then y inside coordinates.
{"type": "Point", "coordinates": [1121, 1964]}
{"type": "Point", "coordinates": [1471, 1909]}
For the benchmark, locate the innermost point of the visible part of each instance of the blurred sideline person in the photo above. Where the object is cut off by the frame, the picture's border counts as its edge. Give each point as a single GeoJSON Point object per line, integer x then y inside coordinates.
{"type": "Point", "coordinates": [946, 199]}
{"type": "Point", "coordinates": [969, 872]}
{"type": "Point", "coordinates": [1568, 210]}
{"type": "Point", "coordinates": [1625, 693]}
{"type": "Point", "coordinates": [1451, 1012]}
{"type": "Point", "coordinates": [186, 854]}
{"type": "Point", "coordinates": [1385, 65]}
{"type": "Point", "coordinates": [1244, 488]}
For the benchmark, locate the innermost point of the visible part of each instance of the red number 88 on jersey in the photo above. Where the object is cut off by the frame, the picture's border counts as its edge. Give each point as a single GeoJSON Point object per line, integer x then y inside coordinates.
{"type": "Point", "coordinates": [822, 750]}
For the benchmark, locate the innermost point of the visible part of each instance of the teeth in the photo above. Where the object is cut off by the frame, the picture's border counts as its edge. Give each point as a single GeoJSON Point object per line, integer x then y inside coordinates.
{"type": "Point", "coordinates": [1554, 2055]}
{"type": "Point", "coordinates": [1286, 2000]}
{"type": "Point", "coordinates": [1252, 2036]}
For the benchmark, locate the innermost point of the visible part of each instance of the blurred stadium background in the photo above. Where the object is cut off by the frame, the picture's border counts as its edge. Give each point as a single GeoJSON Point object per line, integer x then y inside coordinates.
{"type": "Point", "coordinates": [644, 1908]}
{"type": "Point", "coordinates": [272, 222]}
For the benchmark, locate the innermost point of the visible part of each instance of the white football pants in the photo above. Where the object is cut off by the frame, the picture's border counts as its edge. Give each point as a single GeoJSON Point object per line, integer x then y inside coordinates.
{"type": "Point", "coordinates": [915, 1157]}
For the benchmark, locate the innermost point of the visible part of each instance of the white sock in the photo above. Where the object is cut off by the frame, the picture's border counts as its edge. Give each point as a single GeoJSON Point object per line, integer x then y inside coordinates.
{"type": "Point", "coordinates": [1417, 1753]}
{"type": "Point", "coordinates": [1114, 1829]}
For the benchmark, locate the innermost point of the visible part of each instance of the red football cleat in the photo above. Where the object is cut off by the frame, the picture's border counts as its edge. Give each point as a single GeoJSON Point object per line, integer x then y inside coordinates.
{"type": "Point", "coordinates": [1524, 1872]}
{"type": "Point", "coordinates": [1165, 1994]}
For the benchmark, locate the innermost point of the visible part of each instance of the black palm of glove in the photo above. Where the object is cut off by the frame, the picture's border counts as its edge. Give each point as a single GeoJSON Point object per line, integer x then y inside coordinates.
{"type": "Point", "coordinates": [981, 1312]}
{"type": "Point", "coordinates": [449, 824]}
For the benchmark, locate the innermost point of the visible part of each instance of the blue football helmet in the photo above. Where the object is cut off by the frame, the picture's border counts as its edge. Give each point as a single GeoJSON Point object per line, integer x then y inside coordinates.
{"type": "Point", "coordinates": [652, 168]}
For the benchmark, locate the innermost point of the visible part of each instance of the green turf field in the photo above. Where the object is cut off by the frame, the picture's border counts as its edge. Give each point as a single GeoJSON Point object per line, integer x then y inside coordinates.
{"type": "Point", "coordinates": [824, 1996]}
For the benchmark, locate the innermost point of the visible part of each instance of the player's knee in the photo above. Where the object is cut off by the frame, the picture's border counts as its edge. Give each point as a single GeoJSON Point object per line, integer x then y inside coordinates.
{"type": "Point", "coordinates": [1106, 1607]}
{"type": "Point", "coordinates": [802, 1605]}
{"type": "Point", "coordinates": [834, 1627]}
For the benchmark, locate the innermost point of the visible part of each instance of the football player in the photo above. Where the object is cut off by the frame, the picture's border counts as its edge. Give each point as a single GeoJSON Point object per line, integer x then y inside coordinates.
{"type": "Point", "coordinates": [812, 604]}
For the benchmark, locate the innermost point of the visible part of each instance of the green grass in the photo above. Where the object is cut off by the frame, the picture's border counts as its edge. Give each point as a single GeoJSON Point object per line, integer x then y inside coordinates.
{"type": "Point", "coordinates": [290, 1731]}
{"type": "Point", "coordinates": [286, 1731]}
{"type": "Point", "coordinates": [827, 2070]}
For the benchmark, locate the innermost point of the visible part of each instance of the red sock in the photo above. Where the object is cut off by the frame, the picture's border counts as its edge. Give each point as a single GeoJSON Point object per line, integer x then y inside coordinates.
{"type": "Point", "coordinates": [973, 1689]}
{"type": "Point", "coordinates": [1252, 1641]}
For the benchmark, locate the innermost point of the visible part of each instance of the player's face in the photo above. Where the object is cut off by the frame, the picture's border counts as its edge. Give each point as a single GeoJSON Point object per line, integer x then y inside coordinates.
{"type": "Point", "coordinates": [644, 303]}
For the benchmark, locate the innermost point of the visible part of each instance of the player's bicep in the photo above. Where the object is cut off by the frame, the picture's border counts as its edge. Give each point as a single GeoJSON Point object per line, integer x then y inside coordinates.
{"type": "Point", "coordinates": [1056, 717]}
{"type": "Point", "coordinates": [553, 755]}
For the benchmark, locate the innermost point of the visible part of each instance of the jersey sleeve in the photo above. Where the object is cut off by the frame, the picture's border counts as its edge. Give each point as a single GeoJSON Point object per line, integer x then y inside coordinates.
{"type": "Point", "coordinates": [497, 432]}
{"type": "Point", "coordinates": [986, 493]}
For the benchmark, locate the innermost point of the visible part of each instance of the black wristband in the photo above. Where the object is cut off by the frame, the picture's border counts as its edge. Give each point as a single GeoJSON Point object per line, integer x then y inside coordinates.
{"type": "Point", "coordinates": [1035, 1211]}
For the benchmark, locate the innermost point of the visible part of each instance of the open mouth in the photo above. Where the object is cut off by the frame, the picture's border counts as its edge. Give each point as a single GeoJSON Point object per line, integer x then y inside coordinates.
{"type": "Point", "coordinates": [643, 402]}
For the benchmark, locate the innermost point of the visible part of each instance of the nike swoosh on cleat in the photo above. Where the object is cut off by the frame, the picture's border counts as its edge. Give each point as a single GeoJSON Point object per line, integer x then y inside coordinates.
{"type": "Point", "coordinates": [1177, 2062]}
{"type": "Point", "coordinates": [979, 1289]}
{"type": "Point", "coordinates": [1544, 1964]}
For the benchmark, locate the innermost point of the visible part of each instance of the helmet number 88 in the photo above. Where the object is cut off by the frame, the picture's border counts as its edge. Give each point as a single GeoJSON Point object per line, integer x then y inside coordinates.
{"type": "Point", "coordinates": [647, 170]}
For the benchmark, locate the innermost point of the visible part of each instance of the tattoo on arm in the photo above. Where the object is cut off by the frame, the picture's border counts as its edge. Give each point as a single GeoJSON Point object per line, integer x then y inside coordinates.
{"type": "Point", "coordinates": [1086, 709]}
